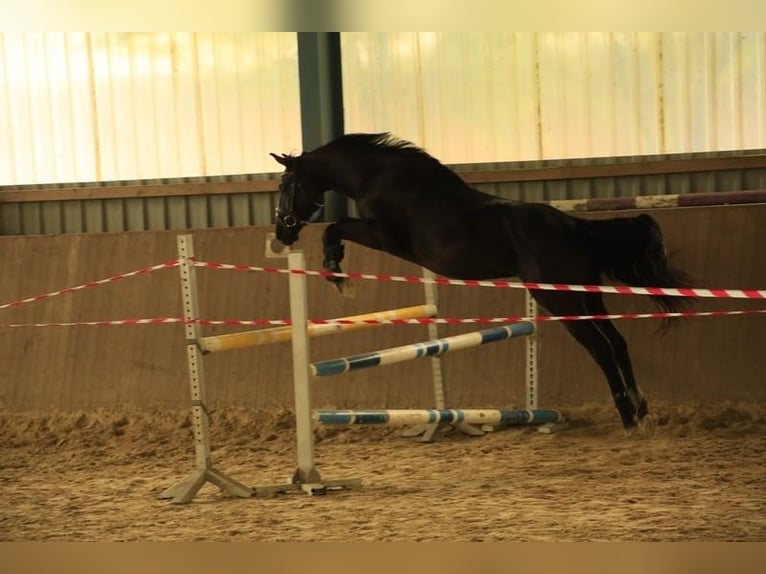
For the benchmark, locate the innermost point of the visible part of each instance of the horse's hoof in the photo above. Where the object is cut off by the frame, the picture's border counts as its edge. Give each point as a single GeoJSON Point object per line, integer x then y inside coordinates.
{"type": "Point", "coordinates": [630, 427]}
{"type": "Point", "coordinates": [643, 410]}
{"type": "Point", "coordinates": [627, 411]}
{"type": "Point", "coordinates": [647, 426]}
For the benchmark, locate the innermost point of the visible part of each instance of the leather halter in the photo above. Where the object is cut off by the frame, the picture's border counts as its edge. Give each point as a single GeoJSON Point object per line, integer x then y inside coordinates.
{"type": "Point", "coordinates": [287, 216]}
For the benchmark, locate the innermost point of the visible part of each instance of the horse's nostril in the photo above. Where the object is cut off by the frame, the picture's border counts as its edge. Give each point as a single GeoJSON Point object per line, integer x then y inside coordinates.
{"type": "Point", "coordinates": [284, 236]}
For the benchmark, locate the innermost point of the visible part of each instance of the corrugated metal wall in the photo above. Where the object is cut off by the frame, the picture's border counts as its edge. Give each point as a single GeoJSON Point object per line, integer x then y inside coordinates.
{"type": "Point", "coordinates": [153, 107]}
{"type": "Point", "coordinates": [487, 97]}
{"type": "Point", "coordinates": [257, 208]}
{"type": "Point", "coordinates": [622, 186]}
{"type": "Point", "coordinates": [141, 213]}
{"type": "Point", "coordinates": [118, 106]}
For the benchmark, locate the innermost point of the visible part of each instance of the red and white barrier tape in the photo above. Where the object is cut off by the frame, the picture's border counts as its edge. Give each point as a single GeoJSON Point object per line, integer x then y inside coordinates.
{"type": "Point", "coordinates": [688, 292]}
{"type": "Point", "coordinates": [417, 321]}
{"type": "Point", "coordinates": [89, 284]}
{"type": "Point", "coordinates": [118, 322]}
{"type": "Point", "coordinates": [619, 289]}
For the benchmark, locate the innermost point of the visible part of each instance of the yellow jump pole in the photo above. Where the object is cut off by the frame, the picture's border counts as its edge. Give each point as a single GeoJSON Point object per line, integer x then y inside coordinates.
{"type": "Point", "coordinates": [256, 338]}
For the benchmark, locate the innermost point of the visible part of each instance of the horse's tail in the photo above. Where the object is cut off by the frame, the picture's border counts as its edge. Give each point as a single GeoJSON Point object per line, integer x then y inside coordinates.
{"type": "Point", "coordinates": [631, 250]}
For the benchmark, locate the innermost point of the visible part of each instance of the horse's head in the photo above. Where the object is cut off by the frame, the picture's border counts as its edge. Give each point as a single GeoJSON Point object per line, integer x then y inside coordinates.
{"type": "Point", "coordinates": [300, 199]}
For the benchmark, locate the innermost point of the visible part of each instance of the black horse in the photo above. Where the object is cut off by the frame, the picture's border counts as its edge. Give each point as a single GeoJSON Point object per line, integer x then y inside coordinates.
{"type": "Point", "coordinates": [415, 208]}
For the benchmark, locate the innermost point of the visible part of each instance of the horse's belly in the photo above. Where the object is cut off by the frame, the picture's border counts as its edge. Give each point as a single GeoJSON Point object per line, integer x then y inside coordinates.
{"type": "Point", "coordinates": [469, 259]}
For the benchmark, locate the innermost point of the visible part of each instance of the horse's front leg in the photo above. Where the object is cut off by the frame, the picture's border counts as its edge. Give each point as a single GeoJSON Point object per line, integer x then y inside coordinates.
{"type": "Point", "coordinates": [334, 251]}
{"type": "Point", "coordinates": [357, 230]}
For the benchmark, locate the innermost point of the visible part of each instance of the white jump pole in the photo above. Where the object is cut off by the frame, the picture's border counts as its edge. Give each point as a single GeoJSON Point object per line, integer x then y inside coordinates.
{"type": "Point", "coordinates": [186, 489]}
{"type": "Point", "coordinates": [247, 339]}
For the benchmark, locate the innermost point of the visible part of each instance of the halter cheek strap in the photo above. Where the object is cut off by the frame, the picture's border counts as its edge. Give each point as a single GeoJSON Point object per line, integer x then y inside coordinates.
{"type": "Point", "coordinates": [287, 215]}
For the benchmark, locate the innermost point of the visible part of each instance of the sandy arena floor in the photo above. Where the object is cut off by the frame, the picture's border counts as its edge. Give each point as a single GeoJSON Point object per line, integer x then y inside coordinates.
{"type": "Point", "coordinates": [693, 474]}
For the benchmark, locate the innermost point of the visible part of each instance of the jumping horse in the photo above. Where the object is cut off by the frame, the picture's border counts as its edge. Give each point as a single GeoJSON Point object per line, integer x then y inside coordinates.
{"type": "Point", "coordinates": [413, 207]}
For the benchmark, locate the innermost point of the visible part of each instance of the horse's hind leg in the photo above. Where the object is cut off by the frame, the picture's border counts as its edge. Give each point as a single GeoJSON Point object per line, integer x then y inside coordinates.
{"type": "Point", "coordinates": [620, 347]}
{"type": "Point", "coordinates": [590, 334]}
{"type": "Point", "coordinates": [597, 341]}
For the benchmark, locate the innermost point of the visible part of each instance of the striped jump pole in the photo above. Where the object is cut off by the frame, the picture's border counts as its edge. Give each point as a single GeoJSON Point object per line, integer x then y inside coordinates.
{"type": "Point", "coordinates": [432, 348]}
{"type": "Point", "coordinates": [407, 417]}
{"type": "Point", "coordinates": [256, 338]}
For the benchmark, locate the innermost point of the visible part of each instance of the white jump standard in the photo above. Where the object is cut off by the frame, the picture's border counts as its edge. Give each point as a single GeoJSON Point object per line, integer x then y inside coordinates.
{"type": "Point", "coordinates": [433, 348]}
{"type": "Point", "coordinates": [185, 490]}
{"type": "Point", "coordinates": [306, 477]}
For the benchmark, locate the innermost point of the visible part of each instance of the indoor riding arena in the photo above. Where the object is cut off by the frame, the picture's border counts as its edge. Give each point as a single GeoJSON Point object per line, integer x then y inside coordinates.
{"type": "Point", "coordinates": [136, 241]}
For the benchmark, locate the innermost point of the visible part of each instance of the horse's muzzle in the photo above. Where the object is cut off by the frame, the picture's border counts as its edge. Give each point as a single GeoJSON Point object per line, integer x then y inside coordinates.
{"type": "Point", "coordinates": [287, 235]}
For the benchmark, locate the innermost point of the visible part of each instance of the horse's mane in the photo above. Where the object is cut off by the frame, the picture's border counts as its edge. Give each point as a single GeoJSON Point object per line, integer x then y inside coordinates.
{"type": "Point", "coordinates": [401, 157]}
{"type": "Point", "coordinates": [377, 142]}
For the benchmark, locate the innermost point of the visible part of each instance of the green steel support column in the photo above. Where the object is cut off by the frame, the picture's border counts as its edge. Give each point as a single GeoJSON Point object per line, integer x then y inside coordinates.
{"type": "Point", "coordinates": [321, 90]}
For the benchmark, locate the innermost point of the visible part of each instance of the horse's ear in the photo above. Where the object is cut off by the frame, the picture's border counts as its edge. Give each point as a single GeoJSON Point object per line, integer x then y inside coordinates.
{"type": "Point", "coordinates": [284, 159]}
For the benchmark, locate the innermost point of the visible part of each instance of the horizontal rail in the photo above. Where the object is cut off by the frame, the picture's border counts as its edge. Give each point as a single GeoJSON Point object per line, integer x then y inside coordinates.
{"type": "Point", "coordinates": [138, 190]}
{"type": "Point", "coordinates": [625, 169]}
{"type": "Point", "coordinates": [432, 348]}
{"type": "Point", "coordinates": [660, 201]}
{"type": "Point", "coordinates": [10, 194]}
{"type": "Point", "coordinates": [407, 417]}
{"type": "Point", "coordinates": [256, 338]}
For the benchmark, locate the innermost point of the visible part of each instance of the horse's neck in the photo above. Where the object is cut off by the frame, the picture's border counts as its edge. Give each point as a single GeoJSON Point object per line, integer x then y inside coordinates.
{"type": "Point", "coordinates": [339, 174]}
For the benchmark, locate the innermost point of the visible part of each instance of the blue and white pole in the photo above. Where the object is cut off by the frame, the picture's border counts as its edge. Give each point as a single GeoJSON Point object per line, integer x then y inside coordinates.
{"type": "Point", "coordinates": [402, 417]}
{"type": "Point", "coordinates": [433, 348]}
